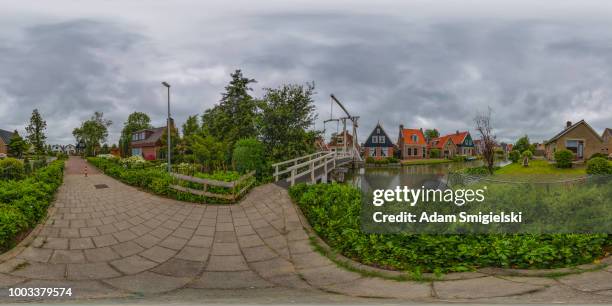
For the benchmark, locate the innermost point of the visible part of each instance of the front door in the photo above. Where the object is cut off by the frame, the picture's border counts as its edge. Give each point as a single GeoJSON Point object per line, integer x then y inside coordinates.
{"type": "Point", "coordinates": [580, 152]}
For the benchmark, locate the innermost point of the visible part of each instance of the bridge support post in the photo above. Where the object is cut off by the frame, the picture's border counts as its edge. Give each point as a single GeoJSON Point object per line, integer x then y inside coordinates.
{"type": "Point", "coordinates": [293, 177]}
{"type": "Point", "coordinates": [324, 178]}
{"type": "Point", "coordinates": [312, 173]}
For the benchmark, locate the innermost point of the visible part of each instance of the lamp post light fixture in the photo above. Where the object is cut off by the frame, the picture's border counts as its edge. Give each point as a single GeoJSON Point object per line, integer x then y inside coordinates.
{"type": "Point", "coordinates": [168, 126]}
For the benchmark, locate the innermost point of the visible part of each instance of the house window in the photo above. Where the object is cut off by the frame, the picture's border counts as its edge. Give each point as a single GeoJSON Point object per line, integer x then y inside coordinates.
{"type": "Point", "coordinates": [136, 151]}
{"type": "Point", "coordinates": [374, 139]}
{"type": "Point", "coordinates": [414, 138]}
{"type": "Point", "coordinates": [378, 131]}
{"type": "Point", "coordinates": [372, 152]}
{"type": "Point", "coordinates": [381, 139]}
{"type": "Point", "coordinates": [409, 151]}
{"type": "Point", "coordinates": [415, 152]}
{"type": "Point", "coordinates": [383, 152]}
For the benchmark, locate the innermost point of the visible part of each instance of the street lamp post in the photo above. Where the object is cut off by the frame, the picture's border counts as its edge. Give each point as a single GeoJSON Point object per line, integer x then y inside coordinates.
{"type": "Point", "coordinates": [168, 126]}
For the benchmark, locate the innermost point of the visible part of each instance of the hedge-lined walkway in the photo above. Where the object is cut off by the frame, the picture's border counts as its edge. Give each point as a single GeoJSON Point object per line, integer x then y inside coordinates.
{"type": "Point", "coordinates": [107, 239]}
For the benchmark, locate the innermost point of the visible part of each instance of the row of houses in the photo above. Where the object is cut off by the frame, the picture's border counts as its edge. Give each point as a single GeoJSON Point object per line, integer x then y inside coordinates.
{"type": "Point", "coordinates": [580, 138]}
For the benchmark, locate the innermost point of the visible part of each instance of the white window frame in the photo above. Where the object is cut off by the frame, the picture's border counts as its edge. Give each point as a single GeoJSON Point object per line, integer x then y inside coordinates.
{"type": "Point", "coordinates": [372, 152]}
{"type": "Point", "coordinates": [374, 139]}
{"type": "Point", "coordinates": [381, 139]}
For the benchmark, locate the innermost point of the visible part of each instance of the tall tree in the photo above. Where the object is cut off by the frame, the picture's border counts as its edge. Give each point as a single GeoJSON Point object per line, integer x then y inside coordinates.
{"type": "Point", "coordinates": [431, 134]}
{"type": "Point", "coordinates": [487, 136]}
{"type": "Point", "coordinates": [17, 145]}
{"type": "Point", "coordinates": [92, 132]}
{"type": "Point", "coordinates": [522, 144]}
{"type": "Point", "coordinates": [235, 116]}
{"type": "Point", "coordinates": [136, 121]}
{"type": "Point", "coordinates": [191, 126]}
{"type": "Point", "coordinates": [36, 132]}
{"type": "Point", "coordinates": [287, 113]}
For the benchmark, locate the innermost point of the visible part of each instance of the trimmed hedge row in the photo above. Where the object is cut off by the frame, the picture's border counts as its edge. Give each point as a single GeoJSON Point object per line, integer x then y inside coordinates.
{"type": "Point", "coordinates": [156, 180]}
{"type": "Point", "coordinates": [23, 203]}
{"type": "Point", "coordinates": [333, 211]}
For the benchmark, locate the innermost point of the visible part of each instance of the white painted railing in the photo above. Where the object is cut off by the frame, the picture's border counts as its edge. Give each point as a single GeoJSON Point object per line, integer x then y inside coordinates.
{"type": "Point", "coordinates": [308, 165]}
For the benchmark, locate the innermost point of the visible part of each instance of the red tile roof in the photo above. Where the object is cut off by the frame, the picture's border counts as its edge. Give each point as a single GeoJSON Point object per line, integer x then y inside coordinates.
{"type": "Point", "coordinates": [458, 138]}
{"type": "Point", "coordinates": [439, 142]}
{"type": "Point", "coordinates": [408, 133]}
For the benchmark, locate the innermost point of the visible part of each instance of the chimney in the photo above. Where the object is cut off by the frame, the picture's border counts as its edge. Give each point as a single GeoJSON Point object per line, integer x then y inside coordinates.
{"type": "Point", "coordinates": [568, 124]}
{"type": "Point", "coordinates": [457, 132]}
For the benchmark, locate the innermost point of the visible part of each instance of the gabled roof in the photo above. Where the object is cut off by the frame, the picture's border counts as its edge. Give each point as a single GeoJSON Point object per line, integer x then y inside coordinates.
{"type": "Point", "coordinates": [6, 136]}
{"type": "Point", "coordinates": [153, 138]}
{"type": "Point", "coordinates": [440, 142]}
{"type": "Point", "coordinates": [407, 136]}
{"type": "Point", "coordinates": [573, 126]}
{"type": "Point", "coordinates": [608, 132]}
{"type": "Point", "coordinates": [458, 138]}
{"type": "Point", "coordinates": [388, 141]}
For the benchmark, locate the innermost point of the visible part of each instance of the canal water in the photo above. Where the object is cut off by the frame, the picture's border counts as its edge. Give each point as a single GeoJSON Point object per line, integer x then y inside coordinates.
{"type": "Point", "coordinates": [413, 176]}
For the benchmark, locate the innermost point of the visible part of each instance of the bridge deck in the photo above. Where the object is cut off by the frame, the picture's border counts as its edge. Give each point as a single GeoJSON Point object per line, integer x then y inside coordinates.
{"type": "Point", "coordinates": [319, 173]}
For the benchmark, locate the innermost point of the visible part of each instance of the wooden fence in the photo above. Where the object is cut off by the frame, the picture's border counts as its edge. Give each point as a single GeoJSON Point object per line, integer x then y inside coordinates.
{"type": "Point", "coordinates": [233, 186]}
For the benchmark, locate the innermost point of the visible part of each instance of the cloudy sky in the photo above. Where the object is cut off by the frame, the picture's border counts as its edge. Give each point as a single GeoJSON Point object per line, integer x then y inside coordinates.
{"type": "Point", "coordinates": [420, 63]}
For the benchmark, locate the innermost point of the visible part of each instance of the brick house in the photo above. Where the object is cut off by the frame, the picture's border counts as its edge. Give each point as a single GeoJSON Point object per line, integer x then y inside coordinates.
{"type": "Point", "coordinates": [412, 144]}
{"type": "Point", "coordinates": [463, 143]}
{"type": "Point", "coordinates": [379, 145]}
{"type": "Point", "coordinates": [607, 139]}
{"type": "Point", "coordinates": [448, 149]}
{"type": "Point", "coordinates": [5, 139]}
{"type": "Point", "coordinates": [580, 138]}
{"type": "Point", "coordinates": [336, 143]}
{"type": "Point", "coordinates": [147, 143]}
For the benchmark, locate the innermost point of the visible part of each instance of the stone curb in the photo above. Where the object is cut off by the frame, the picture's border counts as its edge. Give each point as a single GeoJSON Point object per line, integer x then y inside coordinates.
{"type": "Point", "coordinates": [482, 272]}
{"type": "Point", "coordinates": [25, 242]}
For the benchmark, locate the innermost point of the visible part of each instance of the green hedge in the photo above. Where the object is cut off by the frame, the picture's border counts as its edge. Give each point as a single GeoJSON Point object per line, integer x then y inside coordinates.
{"type": "Point", "coordinates": [156, 179]}
{"type": "Point", "coordinates": [24, 203]}
{"type": "Point", "coordinates": [333, 210]}
{"type": "Point", "coordinates": [563, 158]}
{"type": "Point", "coordinates": [599, 166]}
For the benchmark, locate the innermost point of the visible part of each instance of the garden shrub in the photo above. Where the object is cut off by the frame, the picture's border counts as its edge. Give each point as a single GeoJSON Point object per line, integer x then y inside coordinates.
{"type": "Point", "coordinates": [598, 166]}
{"type": "Point", "coordinates": [133, 162]}
{"type": "Point", "coordinates": [370, 160]}
{"type": "Point", "coordinates": [434, 153]}
{"type": "Point", "coordinates": [23, 203]}
{"type": "Point", "coordinates": [563, 158]}
{"type": "Point", "coordinates": [11, 169]}
{"type": "Point", "coordinates": [333, 211]}
{"type": "Point", "coordinates": [249, 155]}
{"type": "Point", "coordinates": [602, 155]}
{"type": "Point", "coordinates": [514, 156]}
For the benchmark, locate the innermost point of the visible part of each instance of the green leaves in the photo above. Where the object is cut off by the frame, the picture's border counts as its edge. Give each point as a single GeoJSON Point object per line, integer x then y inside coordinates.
{"type": "Point", "coordinates": [333, 210]}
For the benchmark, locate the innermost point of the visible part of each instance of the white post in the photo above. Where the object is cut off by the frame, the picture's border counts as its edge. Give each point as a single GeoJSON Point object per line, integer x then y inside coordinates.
{"type": "Point", "coordinates": [276, 174]}
{"type": "Point", "coordinates": [293, 177]}
{"type": "Point", "coordinates": [324, 178]}
{"type": "Point", "coordinates": [312, 173]}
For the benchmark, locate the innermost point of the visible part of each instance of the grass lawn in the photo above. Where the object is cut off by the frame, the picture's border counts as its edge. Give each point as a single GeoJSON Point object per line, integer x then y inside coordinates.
{"type": "Point", "coordinates": [540, 169]}
{"type": "Point", "coordinates": [430, 161]}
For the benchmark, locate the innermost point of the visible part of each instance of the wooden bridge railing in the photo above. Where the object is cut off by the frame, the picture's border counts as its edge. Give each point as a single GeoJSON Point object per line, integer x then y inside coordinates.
{"type": "Point", "coordinates": [234, 192]}
{"type": "Point", "coordinates": [308, 165]}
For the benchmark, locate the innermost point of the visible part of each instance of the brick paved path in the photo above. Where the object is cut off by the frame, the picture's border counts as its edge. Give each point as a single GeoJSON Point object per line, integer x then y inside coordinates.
{"type": "Point", "coordinates": [115, 241]}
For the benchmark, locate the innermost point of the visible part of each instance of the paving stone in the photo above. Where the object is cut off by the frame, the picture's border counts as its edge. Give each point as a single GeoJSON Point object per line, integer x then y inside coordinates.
{"type": "Point", "coordinates": [590, 281]}
{"type": "Point", "coordinates": [128, 248]}
{"type": "Point", "coordinates": [182, 232]}
{"type": "Point", "coordinates": [273, 267]}
{"type": "Point", "coordinates": [12, 264]}
{"type": "Point", "coordinates": [81, 243]}
{"type": "Point", "coordinates": [327, 275]}
{"type": "Point", "coordinates": [36, 254]}
{"type": "Point", "coordinates": [225, 227]}
{"type": "Point", "coordinates": [124, 235]}
{"type": "Point", "coordinates": [41, 271]}
{"type": "Point", "coordinates": [205, 230]}
{"type": "Point", "coordinates": [201, 241]}
{"type": "Point", "coordinates": [100, 254]}
{"type": "Point", "coordinates": [250, 241]}
{"type": "Point", "coordinates": [104, 240]}
{"type": "Point", "coordinates": [258, 253]}
{"type": "Point", "coordinates": [174, 243]}
{"type": "Point", "coordinates": [230, 280]}
{"type": "Point", "coordinates": [226, 263]}
{"type": "Point", "coordinates": [310, 260]}
{"type": "Point", "coordinates": [148, 282]}
{"type": "Point", "coordinates": [98, 270]}
{"type": "Point", "coordinates": [133, 264]}
{"type": "Point", "coordinates": [69, 233]}
{"type": "Point", "coordinates": [225, 249]}
{"type": "Point", "coordinates": [289, 281]}
{"type": "Point", "coordinates": [244, 230]}
{"type": "Point", "coordinates": [481, 288]}
{"type": "Point", "coordinates": [158, 254]}
{"type": "Point", "coordinates": [180, 268]}
{"type": "Point", "coordinates": [67, 256]}
{"type": "Point", "coordinates": [193, 254]}
{"type": "Point", "coordinates": [55, 243]}
{"type": "Point", "coordinates": [382, 288]}
{"type": "Point", "coordinates": [300, 246]}
{"type": "Point", "coordinates": [88, 232]}
{"type": "Point", "coordinates": [225, 237]}
{"type": "Point", "coordinates": [10, 280]}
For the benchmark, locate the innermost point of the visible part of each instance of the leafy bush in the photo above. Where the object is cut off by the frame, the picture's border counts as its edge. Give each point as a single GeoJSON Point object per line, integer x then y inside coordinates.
{"type": "Point", "coordinates": [23, 203]}
{"type": "Point", "coordinates": [107, 156]}
{"type": "Point", "coordinates": [249, 155]}
{"type": "Point", "coordinates": [563, 158]}
{"type": "Point", "coordinates": [11, 169]}
{"type": "Point", "coordinates": [393, 160]}
{"type": "Point", "coordinates": [482, 170]}
{"type": "Point", "coordinates": [599, 166]}
{"type": "Point", "coordinates": [434, 153]}
{"type": "Point", "coordinates": [333, 211]}
{"type": "Point", "coordinates": [370, 160]}
{"type": "Point", "coordinates": [459, 158]}
{"type": "Point", "coordinates": [133, 162]}
{"type": "Point", "coordinates": [527, 154]}
{"type": "Point", "coordinates": [514, 156]}
{"type": "Point", "coordinates": [602, 155]}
